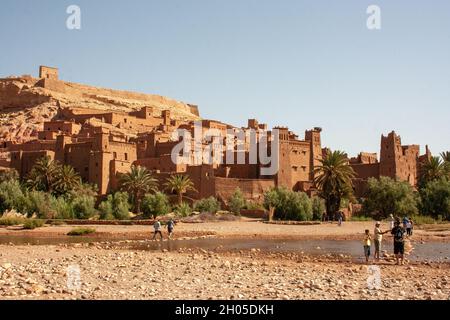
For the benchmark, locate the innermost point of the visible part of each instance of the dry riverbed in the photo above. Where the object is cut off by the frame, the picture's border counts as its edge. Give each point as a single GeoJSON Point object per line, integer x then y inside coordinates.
{"type": "Point", "coordinates": [112, 270]}
{"type": "Point", "coordinates": [41, 272]}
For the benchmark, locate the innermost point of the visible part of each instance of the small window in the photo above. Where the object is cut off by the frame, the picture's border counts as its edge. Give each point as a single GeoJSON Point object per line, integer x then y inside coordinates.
{"type": "Point", "coordinates": [115, 155]}
{"type": "Point", "coordinates": [126, 156]}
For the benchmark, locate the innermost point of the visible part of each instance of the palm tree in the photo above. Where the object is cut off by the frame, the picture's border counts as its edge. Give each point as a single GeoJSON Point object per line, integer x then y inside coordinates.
{"type": "Point", "coordinates": [431, 170]}
{"type": "Point", "coordinates": [179, 184]}
{"type": "Point", "coordinates": [67, 179]}
{"type": "Point", "coordinates": [137, 182]}
{"type": "Point", "coordinates": [334, 180]}
{"type": "Point", "coordinates": [43, 174]}
{"type": "Point", "coordinates": [445, 156]}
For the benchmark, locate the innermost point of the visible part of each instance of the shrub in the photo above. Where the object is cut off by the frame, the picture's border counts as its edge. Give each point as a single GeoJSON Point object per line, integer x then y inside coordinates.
{"type": "Point", "coordinates": [236, 201]}
{"type": "Point", "coordinates": [62, 208]}
{"type": "Point", "coordinates": [435, 198]}
{"type": "Point", "coordinates": [40, 203]}
{"type": "Point", "coordinates": [9, 175]}
{"type": "Point", "coordinates": [253, 205]}
{"type": "Point", "coordinates": [210, 205]}
{"type": "Point", "coordinates": [387, 196]}
{"type": "Point", "coordinates": [419, 219]}
{"type": "Point", "coordinates": [155, 204]}
{"type": "Point", "coordinates": [318, 208]}
{"type": "Point", "coordinates": [33, 224]}
{"type": "Point", "coordinates": [12, 221]}
{"type": "Point", "coordinates": [289, 205]}
{"type": "Point", "coordinates": [116, 206]}
{"type": "Point", "coordinates": [11, 196]}
{"type": "Point", "coordinates": [183, 209]}
{"type": "Point", "coordinates": [83, 207]}
{"type": "Point", "coordinates": [80, 231]}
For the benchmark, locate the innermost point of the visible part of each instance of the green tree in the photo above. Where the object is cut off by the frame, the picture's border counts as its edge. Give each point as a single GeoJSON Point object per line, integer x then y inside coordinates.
{"type": "Point", "coordinates": [43, 175]}
{"type": "Point", "coordinates": [116, 206]}
{"type": "Point", "coordinates": [432, 169]}
{"type": "Point", "coordinates": [84, 207]}
{"type": "Point", "coordinates": [334, 180]}
{"type": "Point", "coordinates": [155, 204]}
{"type": "Point", "coordinates": [137, 183]}
{"type": "Point", "coordinates": [446, 158]}
{"type": "Point", "coordinates": [236, 201]}
{"type": "Point", "coordinates": [318, 208]}
{"type": "Point", "coordinates": [180, 184]}
{"type": "Point", "coordinates": [271, 201]}
{"type": "Point", "coordinates": [435, 198]}
{"type": "Point", "coordinates": [67, 180]}
{"type": "Point", "coordinates": [210, 205]}
{"type": "Point", "coordinates": [387, 196]}
{"type": "Point", "coordinates": [11, 196]}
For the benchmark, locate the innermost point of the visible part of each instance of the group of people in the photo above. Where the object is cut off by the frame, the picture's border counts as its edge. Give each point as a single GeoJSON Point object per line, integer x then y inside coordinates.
{"type": "Point", "coordinates": [157, 229]}
{"type": "Point", "coordinates": [397, 231]}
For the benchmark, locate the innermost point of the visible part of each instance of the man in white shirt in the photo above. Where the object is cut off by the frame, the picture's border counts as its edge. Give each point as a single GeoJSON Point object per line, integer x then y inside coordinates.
{"type": "Point", "coordinates": [378, 239]}
{"type": "Point", "coordinates": [157, 228]}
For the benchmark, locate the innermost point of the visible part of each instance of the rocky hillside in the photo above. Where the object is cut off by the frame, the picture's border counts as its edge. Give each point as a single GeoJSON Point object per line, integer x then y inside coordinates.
{"type": "Point", "coordinates": [26, 102]}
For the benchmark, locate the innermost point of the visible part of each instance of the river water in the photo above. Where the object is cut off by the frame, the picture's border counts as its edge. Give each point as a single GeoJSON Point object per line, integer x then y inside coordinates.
{"type": "Point", "coordinates": [429, 251]}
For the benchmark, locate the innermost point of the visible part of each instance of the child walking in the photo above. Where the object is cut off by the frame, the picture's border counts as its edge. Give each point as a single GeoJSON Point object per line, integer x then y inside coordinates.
{"type": "Point", "coordinates": [367, 243]}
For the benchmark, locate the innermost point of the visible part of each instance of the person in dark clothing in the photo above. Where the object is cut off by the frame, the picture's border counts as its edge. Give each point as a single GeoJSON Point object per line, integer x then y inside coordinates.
{"type": "Point", "coordinates": [170, 226]}
{"type": "Point", "coordinates": [399, 241]}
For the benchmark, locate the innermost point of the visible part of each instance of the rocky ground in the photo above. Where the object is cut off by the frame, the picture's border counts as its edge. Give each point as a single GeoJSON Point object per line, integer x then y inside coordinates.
{"type": "Point", "coordinates": [41, 272]}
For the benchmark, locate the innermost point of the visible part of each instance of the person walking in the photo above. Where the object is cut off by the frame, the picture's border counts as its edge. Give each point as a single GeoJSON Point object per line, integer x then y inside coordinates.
{"type": "Point", "coordinates": [399, 241]}
{"type": "Point", "coordinates": [409, 228]}
{"type": "Point", "coordinates": [157, 230]}
{"type": "Point", "coordinates": [170, 226]}
{"type": "Point", "coordinates": [340, 218]}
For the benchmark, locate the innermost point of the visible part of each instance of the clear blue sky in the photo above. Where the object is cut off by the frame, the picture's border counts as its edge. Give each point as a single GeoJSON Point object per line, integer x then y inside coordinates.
{"type": "Point", "coordinates": [294, 63]}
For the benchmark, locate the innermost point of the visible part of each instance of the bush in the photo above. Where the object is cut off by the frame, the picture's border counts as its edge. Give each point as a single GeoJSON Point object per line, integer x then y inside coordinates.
{"type": "Point", "coordinates": [435, 199]}
{"type": "Point", "coordinates": [31, 224]}
{"type": "Point", "coordinates": [80, 231]}
{"type": "Point", "coordinates": [83, 207]}
{"type": "Point", "coordinates": [61, 208]}
{"type": "Point", "coordinates": [116, 206]}
{"type": "Point", "coordinates": [318, 208]}
{"type": "Point", "coordinates": [210, 205]}
{"type": "Point", "coordinates": [183, 209]}
{"type": "Point", "coordinates": [41, 204]}
{"type": "Point", "coordinates": [155, 205]}
{"type": "Point", "coordinates": [253, 205]}
{"type": "Point", "coordinates": [419, 219]}
{"type": "Point", "coordinates": [387, 196]}
{"type": "Point", "coordinates": [12, 221]}
{"type": "Point", "coordinates": [236, 201]}
{"type": "Point", "coordinates": [11, 196]}
{"type": "Point", "coordinates": [289, 205]}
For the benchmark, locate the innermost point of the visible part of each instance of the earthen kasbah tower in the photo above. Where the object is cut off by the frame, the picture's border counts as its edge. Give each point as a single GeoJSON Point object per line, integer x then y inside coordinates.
{"type": "Point", "coordinates": [103, 132]}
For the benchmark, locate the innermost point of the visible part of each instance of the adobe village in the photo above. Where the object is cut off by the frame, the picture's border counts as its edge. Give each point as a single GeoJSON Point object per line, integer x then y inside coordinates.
{"type": "Point", "coordinates": [88, 182]}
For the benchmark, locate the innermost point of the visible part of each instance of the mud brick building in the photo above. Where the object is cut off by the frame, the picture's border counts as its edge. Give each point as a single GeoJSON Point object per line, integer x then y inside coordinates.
{"type": "Point", "coordinates": [102, 143]}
